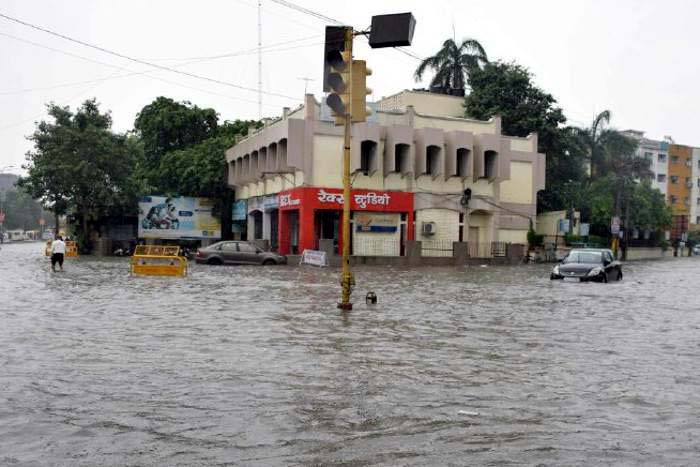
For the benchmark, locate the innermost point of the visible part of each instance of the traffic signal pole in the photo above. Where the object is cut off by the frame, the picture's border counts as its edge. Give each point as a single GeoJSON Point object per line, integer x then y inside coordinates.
{"type": "Point", "coordinates": [347, 100]}
{"type": "Point", "coordinates": [347, 280]}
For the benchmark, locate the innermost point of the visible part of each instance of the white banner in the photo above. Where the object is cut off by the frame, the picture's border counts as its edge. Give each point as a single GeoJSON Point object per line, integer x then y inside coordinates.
{"type": "Point", "coordinates": [314, 257]}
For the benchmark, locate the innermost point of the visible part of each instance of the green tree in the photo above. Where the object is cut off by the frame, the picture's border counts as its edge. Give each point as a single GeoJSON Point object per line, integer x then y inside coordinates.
{"type": "Point", "coordinates": [79, 164]}
{"type": "Point", "coordinates": [593, 138]}
{"type": "Point", "coordinates": [453, 63]}
{"type": "Point", "coordinates": [165, 125]}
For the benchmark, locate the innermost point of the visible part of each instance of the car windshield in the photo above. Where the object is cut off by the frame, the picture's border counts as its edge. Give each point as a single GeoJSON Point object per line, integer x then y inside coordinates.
{"type": "Point", "coordinates": [592, 257]}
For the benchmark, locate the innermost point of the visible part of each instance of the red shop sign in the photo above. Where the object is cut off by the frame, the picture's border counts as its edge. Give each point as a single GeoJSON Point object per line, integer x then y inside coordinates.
{"type": "Point", "coordinates": [332, 198]}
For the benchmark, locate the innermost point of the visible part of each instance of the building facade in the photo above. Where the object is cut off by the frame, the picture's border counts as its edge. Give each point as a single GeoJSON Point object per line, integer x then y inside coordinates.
{"type": "Point", "coordinates": [695, 190]}
{"type": "Point", "coordinates": [680, 171]}
{"type": "Point", "coordinates": [409, 167]}
{"type": "Point", "coordinates": [656, 152]}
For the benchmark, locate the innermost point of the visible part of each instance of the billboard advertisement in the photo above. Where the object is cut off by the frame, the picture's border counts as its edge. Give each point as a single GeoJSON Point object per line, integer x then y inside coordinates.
{"type": "Point", "coordinates": [184, 217]}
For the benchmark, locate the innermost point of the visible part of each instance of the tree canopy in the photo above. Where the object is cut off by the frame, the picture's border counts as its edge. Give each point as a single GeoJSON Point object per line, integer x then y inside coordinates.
{"type": "Point", "coordinates": [79, 165]}
{"type": "Point", "coordinates": [453, 63]}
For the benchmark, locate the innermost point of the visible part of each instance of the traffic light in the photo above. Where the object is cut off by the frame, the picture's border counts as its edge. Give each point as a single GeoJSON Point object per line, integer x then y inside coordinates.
{"type": "Point", "coordinates": [360, 72]}
{"type": "Point", "coordinates": [336, 71]}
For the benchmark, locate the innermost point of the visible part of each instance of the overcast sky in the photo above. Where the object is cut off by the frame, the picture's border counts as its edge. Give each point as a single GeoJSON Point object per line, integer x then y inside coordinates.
{"type": "Point", "coordinates": [637, 58]}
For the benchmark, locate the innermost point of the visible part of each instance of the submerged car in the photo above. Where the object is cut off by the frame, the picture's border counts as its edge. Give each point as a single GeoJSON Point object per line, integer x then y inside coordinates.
{"type": "Point", "coordinates": [237, 252]}
{"type": "Point", "coordinates": [588, 264]}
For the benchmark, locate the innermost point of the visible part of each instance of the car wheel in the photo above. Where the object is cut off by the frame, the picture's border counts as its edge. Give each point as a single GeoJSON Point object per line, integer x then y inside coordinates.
{"type": "Point", "coordinates": [269, 262]}
{"type": "Point", "coordinates": [215, 262]}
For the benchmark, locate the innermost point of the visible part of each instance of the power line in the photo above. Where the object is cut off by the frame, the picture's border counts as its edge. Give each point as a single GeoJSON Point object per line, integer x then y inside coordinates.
{"type": "Point", "coordinates": [142, 62]}
{"type": "Point", "coordinates": [131, 73]}
{"type": "Point", "coordinates": [307, 11]}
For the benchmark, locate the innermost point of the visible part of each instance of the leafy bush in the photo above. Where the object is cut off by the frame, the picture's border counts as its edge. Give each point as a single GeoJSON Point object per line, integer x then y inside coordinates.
{"type": "Point", "coordinates": [534, 239]}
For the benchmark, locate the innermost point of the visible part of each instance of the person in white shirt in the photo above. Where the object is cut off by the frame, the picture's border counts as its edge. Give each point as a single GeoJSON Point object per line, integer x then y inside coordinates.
{"type": "Point", "coordinates": [58, 250]}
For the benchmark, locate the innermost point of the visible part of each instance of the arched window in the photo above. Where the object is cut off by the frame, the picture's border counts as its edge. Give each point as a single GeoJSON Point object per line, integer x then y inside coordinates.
{"type": "Point", "coordinates": [401, 157]}
{"type": "Point", "coordinates": [490, 164]}
{"type": "Point", "coordinates": [368, 157]}
{"type": "Point", "coordinates": [272, 158]}
{"type": "Point", "coordinates": [282, 153]}
{"type": "Point", "coordinates": [462, 168]}
{"type": "Point", "coordinates": [432, 160]}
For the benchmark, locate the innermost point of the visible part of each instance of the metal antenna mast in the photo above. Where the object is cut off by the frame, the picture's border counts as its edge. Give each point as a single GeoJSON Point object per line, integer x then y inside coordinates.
{"type": "Point", "coordinates": [260, 59]}
{"type": "Point", "coordinates": [306, 82]}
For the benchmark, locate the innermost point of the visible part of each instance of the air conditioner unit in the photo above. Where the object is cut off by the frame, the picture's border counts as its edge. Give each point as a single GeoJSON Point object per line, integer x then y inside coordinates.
{"type": "Point", "coordinates": [429, 228]}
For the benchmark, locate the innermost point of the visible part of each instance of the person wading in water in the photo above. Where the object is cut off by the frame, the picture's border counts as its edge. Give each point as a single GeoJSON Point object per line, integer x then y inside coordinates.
{"type": "Point", "coordinates": [58, 251]}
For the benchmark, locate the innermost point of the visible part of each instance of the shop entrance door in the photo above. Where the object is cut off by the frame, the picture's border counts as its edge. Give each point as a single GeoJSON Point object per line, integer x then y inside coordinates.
{"type": "Point", "coordinates": [328, 226]}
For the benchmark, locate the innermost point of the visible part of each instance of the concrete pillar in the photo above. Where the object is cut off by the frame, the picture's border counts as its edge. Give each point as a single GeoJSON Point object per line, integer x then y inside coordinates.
{"type": "Point", "coordinates": [460, 252]}
{"type": "Point", "coordinates": [413, 252]}
{"type": "Point", "coordinates": [267, 226]}
{"type": "Point", "coordinates": [515, 252]}
{"type": "Point", "coordinates": [306, 230]}
{"type": "Point", "coordinates": [326, 244]}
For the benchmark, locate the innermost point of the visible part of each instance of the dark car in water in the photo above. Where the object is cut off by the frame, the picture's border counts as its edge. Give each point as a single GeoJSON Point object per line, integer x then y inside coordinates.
{"type": "Point", "coordinates": [237, 252]}
{"type": "Point", "coordinates": [588, 264]}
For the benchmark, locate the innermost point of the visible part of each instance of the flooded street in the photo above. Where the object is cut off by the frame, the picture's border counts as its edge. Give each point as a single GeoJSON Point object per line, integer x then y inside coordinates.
{"type": "Point", "coordinates": [254, 366]}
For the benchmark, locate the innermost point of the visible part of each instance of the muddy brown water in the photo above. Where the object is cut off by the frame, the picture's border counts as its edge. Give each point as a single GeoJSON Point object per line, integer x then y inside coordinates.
{"type": "Point", "coordinates": [255, 366]}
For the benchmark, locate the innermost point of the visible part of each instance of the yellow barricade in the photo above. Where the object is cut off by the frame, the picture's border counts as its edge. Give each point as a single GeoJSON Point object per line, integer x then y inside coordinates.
{"type": "Point", "coordinates": [71, 249]}
{"type": "Point", "coordinates": [157, 260]}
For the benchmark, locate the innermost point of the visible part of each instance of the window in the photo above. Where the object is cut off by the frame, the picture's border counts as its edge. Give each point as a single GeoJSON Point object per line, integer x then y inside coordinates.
{"type": "Point", "coordinates": [689, 182]}
{"type": "Point", "coordinates": [228, 246]}
{"type": "Point", "coordinates": [648, 155]}
{"type": "Point", "coordinates": [490, 161]}
{"type": "Point", "coordinates": [662, 157]}
{"type": "Point", "coordinates": [246, 248]}
{"type": "Point", "coordinates": [689, 162]}
{"type": "Point", "coordinates": [368, 157]}
{"type": "Point", "coordinates": [697, 220]}
{"type": "Point", "coordinates": [675, 159]}
{"type": "Point", "coordinates": [661, 178]}
{"type": "Point", "coordinates": [674, 199]}
{"type": "Point", "coordinates": [686, 200]}
{"type": "Point", "coordinates": [674, 179]}
{"type": "Point", "coordinates": [432, 160]}
{"type": "Point", "coordinates": [698, 182]}
{"type": "Point", "coordinates": [462, 169]}
{"type": "Point", "coordinates": [697, 201]}
{"type": "Point", "coordinates": [401, 157]}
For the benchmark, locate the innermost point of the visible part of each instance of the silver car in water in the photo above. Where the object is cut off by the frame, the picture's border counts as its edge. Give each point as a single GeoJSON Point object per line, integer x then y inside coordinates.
{"type": "Point", "coordinates": [237, 252]}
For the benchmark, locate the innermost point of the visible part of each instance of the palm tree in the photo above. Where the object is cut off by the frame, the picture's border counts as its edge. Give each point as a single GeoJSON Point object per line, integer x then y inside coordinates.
{"type": "Point", "coordinates": [452, 64]}
{"type": "Point", "coordinates": [593, 138]}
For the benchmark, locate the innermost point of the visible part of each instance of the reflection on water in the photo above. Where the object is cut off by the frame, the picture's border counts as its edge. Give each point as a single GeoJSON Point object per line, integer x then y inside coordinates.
{"type": "Point", "coordinates": [255, 366]}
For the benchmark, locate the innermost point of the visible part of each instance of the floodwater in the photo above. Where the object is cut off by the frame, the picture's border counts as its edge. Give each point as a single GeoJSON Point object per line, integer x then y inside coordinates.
{"type": "Point", "coordinates": [254, 366]}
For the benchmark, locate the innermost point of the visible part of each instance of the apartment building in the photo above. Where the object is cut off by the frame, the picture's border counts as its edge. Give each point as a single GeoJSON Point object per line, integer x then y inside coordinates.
{"type": "Point", "coordinates": [656, 152]}
{"type": "Point", "coordinates": [695, 190]}
{"type": "Point", "coordinates": [680, 173]}
{"type": "Point", "coordinates": [411, 162]}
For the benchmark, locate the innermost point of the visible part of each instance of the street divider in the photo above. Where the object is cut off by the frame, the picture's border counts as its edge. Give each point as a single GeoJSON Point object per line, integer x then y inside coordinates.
{"type": "Point", "coordinates": [157, 260]}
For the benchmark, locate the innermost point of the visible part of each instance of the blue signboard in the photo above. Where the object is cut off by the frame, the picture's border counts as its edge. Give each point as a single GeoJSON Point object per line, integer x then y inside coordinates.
{"type": "Point", "coordinates": [240, 210]}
